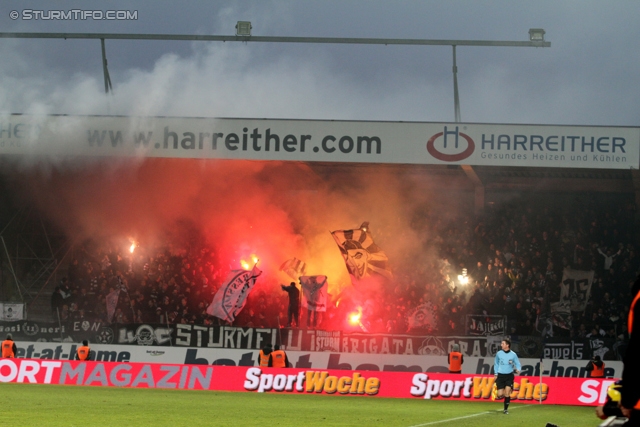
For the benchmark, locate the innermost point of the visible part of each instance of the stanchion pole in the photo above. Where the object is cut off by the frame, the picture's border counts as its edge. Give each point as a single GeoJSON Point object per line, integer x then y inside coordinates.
{"type": "Point", "coordinates": [540, 384]}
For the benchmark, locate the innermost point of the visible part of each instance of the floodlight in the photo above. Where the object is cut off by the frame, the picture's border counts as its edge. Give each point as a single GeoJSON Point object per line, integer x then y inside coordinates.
{"type": "Point", "coordinates": [536, 35]}
{"type": "Point", "coordinates": [243, 28]}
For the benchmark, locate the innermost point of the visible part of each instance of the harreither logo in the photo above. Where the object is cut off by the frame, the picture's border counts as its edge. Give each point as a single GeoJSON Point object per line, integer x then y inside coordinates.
{"type": "Point", "coordinates": [448, 137]}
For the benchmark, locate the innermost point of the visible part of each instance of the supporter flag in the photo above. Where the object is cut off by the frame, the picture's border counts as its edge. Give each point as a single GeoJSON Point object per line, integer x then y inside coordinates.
{"type": "Point", "coordinates": [575, 288]}
{"type": "Point", "coordinates": [598, 347]}
{"type": "Point", "coordinates": [422, 317]}
{"type": "Point", "coordinates": [314, 290]}
{"type": "Point", "coordinates": [112, 303]}
{"type": "Point", "coordinates": [544, 324]}
{"type": "Point", "coordinates": [362, 256]}
{"type": "Point", "coordinates": [11, 312]}
{"type": "Point", "coordinates": [294, 268]}
{"type": "Point", "coordinates": [232, 295]}
{"type": "Point", "coordinates": [561, 315]}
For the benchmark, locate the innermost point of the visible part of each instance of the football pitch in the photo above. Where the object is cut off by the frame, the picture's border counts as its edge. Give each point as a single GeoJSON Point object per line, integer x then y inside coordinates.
{"type": "Point", "coordinates": [76, 406]}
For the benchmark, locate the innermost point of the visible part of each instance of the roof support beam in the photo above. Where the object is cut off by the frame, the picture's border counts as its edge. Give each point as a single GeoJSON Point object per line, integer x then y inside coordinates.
{"type": "Point", "coordinates": [479, 196]}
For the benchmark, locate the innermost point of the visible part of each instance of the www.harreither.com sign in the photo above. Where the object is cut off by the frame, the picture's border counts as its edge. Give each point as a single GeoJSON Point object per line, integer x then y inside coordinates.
{"type": "Point", "coordinates": [323, 141]}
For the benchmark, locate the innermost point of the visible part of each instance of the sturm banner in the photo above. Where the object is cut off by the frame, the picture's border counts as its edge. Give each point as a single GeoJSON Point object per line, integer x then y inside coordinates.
{"type": "Point", "coordinates": [226, 337]}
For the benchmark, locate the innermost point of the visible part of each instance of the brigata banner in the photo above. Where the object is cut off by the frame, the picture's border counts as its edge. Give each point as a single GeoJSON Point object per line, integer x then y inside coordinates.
{"type": "Point", "coordinates": [549, 390]}
{"type": "Point", "coordinates": [322, 141]}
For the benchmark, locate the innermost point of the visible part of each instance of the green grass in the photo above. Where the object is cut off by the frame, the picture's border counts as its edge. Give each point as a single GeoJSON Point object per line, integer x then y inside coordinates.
{"type": "Point", "coordinates": [51, 405]}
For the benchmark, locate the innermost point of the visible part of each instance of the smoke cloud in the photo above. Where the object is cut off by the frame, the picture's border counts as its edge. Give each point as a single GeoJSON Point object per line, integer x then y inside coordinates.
{"type": "Point", "coordinates": [275, 210]}
{"type": "Point", "coordinates": [272, 209]}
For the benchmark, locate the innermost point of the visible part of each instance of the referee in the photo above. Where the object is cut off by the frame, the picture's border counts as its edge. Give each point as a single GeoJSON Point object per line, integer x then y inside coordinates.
{"type": "Point", "coordinates": [505, 365]}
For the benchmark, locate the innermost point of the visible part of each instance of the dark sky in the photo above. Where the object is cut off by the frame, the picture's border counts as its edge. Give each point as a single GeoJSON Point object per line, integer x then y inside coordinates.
{"type": "Point", "coordinates": [589, 76]}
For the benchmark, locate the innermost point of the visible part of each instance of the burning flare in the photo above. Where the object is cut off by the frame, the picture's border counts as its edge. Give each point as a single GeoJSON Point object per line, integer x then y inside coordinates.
{"type": "Point", "coordinates": [245, 264]}
{"type": "Point", "coordinates": [354, 318]}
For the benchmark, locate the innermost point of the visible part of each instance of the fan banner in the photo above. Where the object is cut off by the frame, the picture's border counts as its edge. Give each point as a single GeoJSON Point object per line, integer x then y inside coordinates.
{"type": "Point", "coordinates": [12, 312]}
{"type": "Point", "coordinates": [232, 295]}
{"type": "Point", "coordinates": [364, 259]}
{"type": "Point", "coordinates": [575, 288]}
{"type": "Point", "coordinates": [294, 268]}
{"type": "Point", "coordinates": [478, 324]}
{"type": "Point", "coordinates": [112, 303]}
{"type": "Point", "coordinates": [424, 316]}
{"type": "Point", "coordinates": [314, 290]}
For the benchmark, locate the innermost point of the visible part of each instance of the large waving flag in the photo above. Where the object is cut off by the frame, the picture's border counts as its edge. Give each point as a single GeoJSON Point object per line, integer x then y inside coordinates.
{"type": "Point", "coordinates": [575, 288]}
{"type": "Point", "coordinates": [561, 314]}
{"type": "Point", "coordinates": [232, 295]}
{"type": "Point", "coordinates": [314, 290]}
{"type": "Point", "coordinates": [363, 257]}
{"type": "Point", "coordinates": [294, 268]}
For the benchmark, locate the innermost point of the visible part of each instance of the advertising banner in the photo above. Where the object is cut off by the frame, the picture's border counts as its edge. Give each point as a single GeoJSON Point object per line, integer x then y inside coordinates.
{"type": "Point", "coordinates": [595, 147]}
{"type": "Point", "coordinates": [146, 375]}
{"type": "Point", "coordinates": [460, 387]}
{"type": "Point", "coordinates": [305, 359]}
{"type": "Point", "coordinates": [231, 337]}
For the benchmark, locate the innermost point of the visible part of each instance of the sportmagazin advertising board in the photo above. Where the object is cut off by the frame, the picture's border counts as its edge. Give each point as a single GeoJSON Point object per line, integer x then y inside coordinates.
{"type": "Point", "coordinates": [548, 390]}
{"type": "Point", "coordinates": [323, 141]}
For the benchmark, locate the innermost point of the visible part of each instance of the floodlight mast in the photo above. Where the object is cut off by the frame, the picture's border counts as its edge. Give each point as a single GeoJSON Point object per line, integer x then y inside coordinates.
{"type": "Point", "coordinates": [243, 34]}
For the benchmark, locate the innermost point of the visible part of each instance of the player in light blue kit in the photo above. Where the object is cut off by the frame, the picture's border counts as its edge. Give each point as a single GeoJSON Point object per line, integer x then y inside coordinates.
{"type": "Point", "coordinates": [505, 365]}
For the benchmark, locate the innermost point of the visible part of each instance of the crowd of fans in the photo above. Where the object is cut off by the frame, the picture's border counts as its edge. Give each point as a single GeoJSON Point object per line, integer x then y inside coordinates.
{"type": "Point", "coordinates": [514, 256]}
